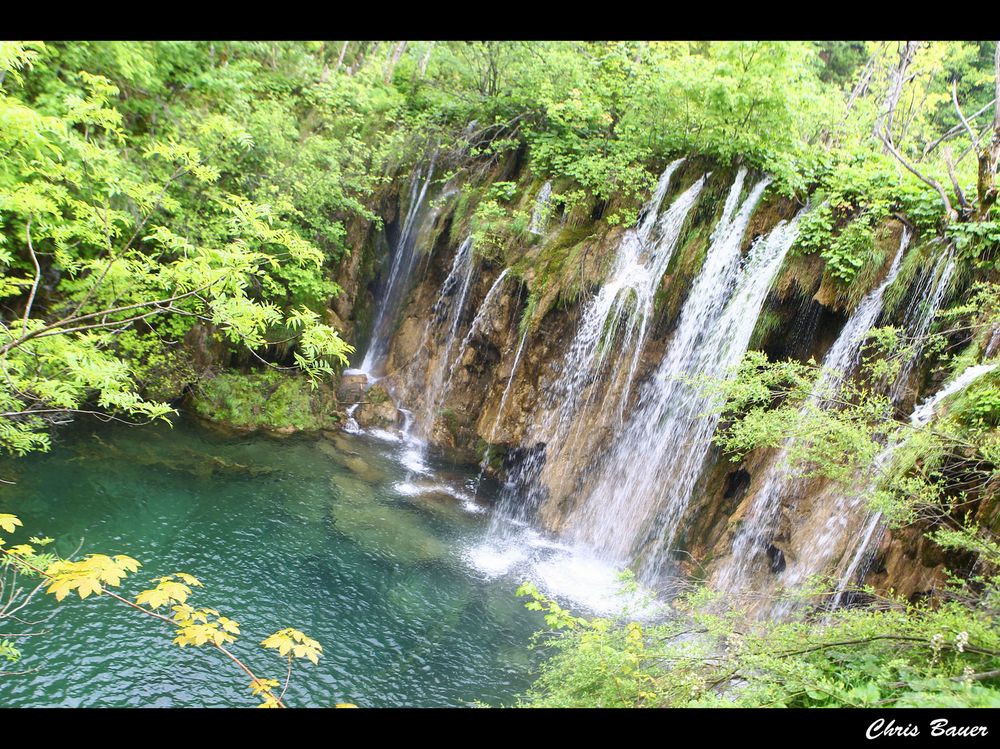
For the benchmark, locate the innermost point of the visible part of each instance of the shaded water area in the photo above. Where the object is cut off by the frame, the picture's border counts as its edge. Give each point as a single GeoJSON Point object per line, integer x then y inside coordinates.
{"type": "Point", "coordinates": [324, 534]}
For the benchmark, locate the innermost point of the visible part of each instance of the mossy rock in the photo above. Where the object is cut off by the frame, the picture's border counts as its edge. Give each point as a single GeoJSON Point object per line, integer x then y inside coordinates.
{"type": "Point", "coordinates": [378, 410]}
{"type": "Point", "coordinates": [266, 400]}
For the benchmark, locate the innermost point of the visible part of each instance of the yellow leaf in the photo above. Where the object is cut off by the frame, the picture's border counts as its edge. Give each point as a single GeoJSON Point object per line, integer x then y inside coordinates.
{"type": "Point", "coordinates": [229, 625]}
{"type": "Point", "coordinates": [9, 522]}
{"type": "Point", "coordinates": [87, 586]}
{"type": "Point", "coordinates": [189, 579]}
{"type": "Point", "coordinates": [128, 563]}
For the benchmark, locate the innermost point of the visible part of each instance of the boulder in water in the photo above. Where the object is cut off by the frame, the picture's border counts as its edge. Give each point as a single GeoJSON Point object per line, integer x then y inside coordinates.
{"type": "Point", "coordinates": [378, 410]}
{"type": "Point", "coordinates": [352, 386]}
{"type": "Point", "coordinates": [387, 530]}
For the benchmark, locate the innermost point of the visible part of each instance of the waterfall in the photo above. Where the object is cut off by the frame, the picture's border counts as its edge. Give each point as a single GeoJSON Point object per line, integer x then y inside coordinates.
{"type": "Point", "coordinates": [540, 214]}
{"type": "Point", "coordinates": [778, 483]}
{"type": "Point", "coordinates": [506, 392]}
{"type": "Point", "coordinates": [992, 346]}
{"type": "Point", "coordinates": [447, 311]}
{"type": "Point", "coordinates": [403, 262]}
{"type": "Point", "coordinates": [645, 480]}
{"type": "Point", "coordinates": [477, 322]}
{"type": "Point", "coordinates": [921, 416]}
{"type": "Point", "coordinates": [918, 318]}
{"type": "Point", "coordinates": [925, 411]}
{"type": "Point", "coordinates": [920, 315]}
{"type": "Point", "coordinates": [620, 312]}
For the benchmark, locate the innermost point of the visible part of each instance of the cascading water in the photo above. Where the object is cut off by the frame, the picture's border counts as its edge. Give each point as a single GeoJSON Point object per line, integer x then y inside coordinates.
{"type": "Point", "coordinates": [620, 311]}
{"type": "Point", "coordinates": [503, 402]}
{"type": "Point", "coordinates": [752, 538]}
{"type": "Point", "coordinates": [669, 431]}
{"type": "Point", "coordinates": [873, 527]}
{"type": "Point", "coordinates": [921, 314]}
{"type": "Point", "coordinates": [540, 214]}
{"type": "Point", "coordinates": [403, 262]}
{"type": "Point", "coordinates": [477, 322]}
{"type": "Point", "coordinates": [447, 311]}
{"type": "Point", "coordinates": [925, 411]}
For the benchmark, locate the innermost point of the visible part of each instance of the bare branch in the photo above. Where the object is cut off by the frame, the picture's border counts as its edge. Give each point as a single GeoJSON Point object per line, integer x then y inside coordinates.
{"type": "Point", "coordinates": [949, 162]}
{"type": "Point", "coordinates": [952, 132]}
{"type": "Point", "coordinates": [41, 332]}
{"type": "Point", "coordinates": [952, 215]}
{"type": "Point", "coordinates": [896, 82]}
{"type": "Point", "coordinates": [861, 87]}
{"type": "Point", "coordinates": [38, 278]}
{"type": "Point", "coordinates": [961, 116]}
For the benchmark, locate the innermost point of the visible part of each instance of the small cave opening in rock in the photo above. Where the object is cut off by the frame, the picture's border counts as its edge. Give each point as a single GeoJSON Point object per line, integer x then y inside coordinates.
{"type": "Point", "coordinates": [776, 557]}
{"type": "Point", "coordinates": [737, 483]}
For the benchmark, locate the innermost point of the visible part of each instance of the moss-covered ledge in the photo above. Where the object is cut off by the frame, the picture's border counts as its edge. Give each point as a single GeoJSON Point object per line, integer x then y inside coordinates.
{"type": "Point", "coordinates": [268, 400]}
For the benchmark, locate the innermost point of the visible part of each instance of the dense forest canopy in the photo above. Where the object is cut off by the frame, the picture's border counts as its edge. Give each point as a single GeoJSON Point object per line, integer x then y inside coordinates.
{"type": "Point", "coordinates": [150, 191]}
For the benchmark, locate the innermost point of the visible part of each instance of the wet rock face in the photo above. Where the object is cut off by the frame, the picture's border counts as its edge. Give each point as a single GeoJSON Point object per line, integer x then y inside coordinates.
{"type": "Point", "coordinates": [352, 387]}
{"type": "Point", "coordinates": [481, 399]}
{"type": "Point", "coordinates": [378, 410]}
{"type": "Point", "coordinates": [358, 269]}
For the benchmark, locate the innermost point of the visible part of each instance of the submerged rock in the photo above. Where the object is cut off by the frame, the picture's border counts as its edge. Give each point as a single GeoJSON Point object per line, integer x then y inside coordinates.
{"type": "Point", "coordinates": [352, 489]}
{"type": "Point", "coordinates": [388, 531]}
{"type": "Point", "coordinates": [357, 464]}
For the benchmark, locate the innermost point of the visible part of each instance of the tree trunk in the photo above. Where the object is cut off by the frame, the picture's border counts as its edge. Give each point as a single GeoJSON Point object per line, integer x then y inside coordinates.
{"type": "Point", "coordinates": [425, 59]}
{"type": "Point", "coordinates": [397, 53]}
{"type": "Point", "coordinates": [989, 156]}
{"type": "Point", "coordinates": [898, 78]}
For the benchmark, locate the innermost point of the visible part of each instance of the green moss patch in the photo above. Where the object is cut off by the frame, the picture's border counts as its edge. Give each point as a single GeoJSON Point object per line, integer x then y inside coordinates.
{"type": "Point", "coordinates": [266, 400]}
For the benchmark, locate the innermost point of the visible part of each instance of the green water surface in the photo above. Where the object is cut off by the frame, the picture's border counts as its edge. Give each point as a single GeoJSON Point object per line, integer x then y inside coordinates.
{"type": "Point", "coordinates": [308, 532]}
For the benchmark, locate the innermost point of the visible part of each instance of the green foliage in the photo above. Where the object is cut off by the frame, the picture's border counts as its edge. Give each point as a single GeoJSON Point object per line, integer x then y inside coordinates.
{"type": "Point", "coordinates": [264, 400]}
{"type": "Point", "coordinates": [856, 194]}
{"type": "Point", "coordinates": [847, 253]}
{"type": "Point", "coordinates": [706, 655]}
{"type": "Point", "coordinates": [119, 227]}
{"type": "Point", "coordinates": [978, 243]}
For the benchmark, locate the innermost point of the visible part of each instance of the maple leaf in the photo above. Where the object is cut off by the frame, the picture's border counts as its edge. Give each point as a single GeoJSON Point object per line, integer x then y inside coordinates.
{"type": "Point", "coordinates": [9, 522]}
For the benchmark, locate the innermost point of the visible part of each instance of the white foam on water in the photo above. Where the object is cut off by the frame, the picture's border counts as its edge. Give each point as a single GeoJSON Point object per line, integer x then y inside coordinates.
{"type": "Point", "coordinates": [383, 434]}
{"type": "Point", "coordinates": [493, 560]}
{"type": "Point", "coordinates": [466, 500]}
{"type": "Point", "coordinates": [571, 575]}
{"type": "Point", "coordinates": [412, 459]}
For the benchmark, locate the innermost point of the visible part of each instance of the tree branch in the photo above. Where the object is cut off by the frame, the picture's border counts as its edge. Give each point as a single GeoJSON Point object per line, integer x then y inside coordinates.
{"type": "Point", "coordinates": [951, 213]}
{"type": "Point", "coordinates": [961, 115]}
{"type": "Point", "coordinates": [38, 278]}
{"type": "Point", "coordinates": [949, 162]}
